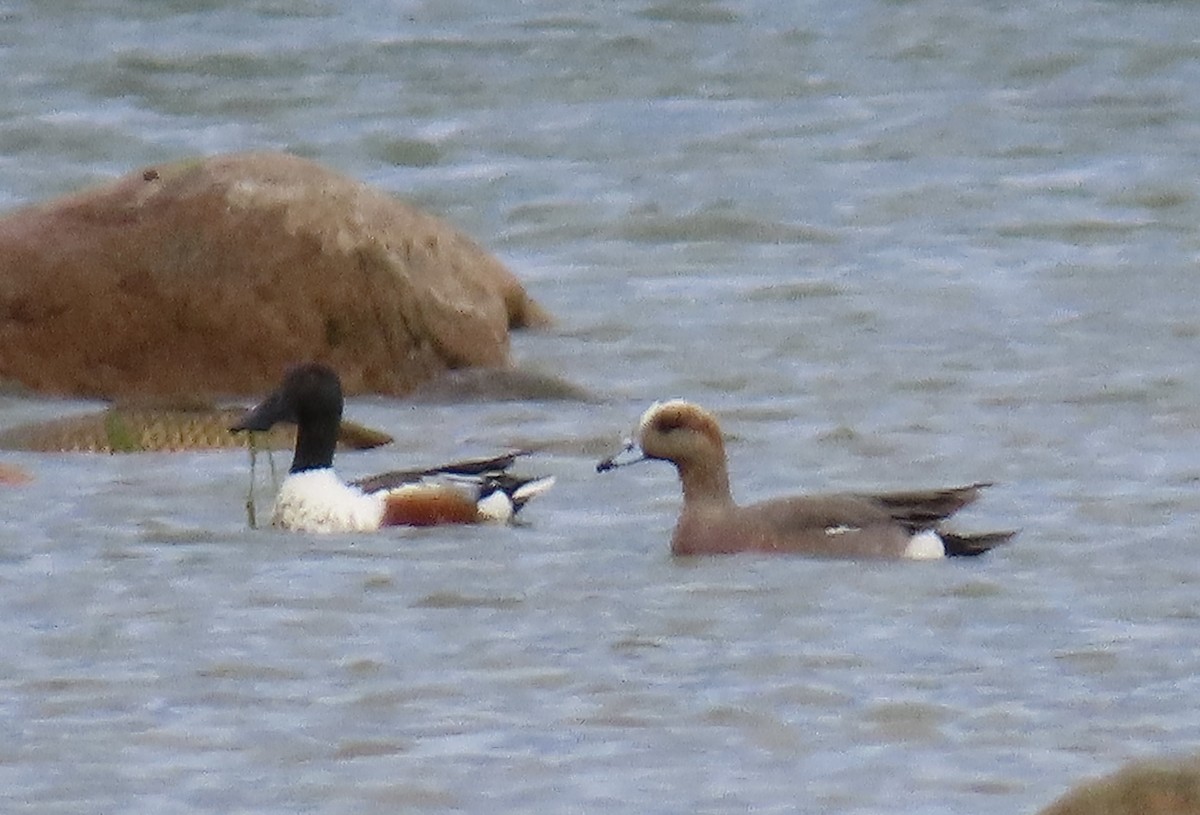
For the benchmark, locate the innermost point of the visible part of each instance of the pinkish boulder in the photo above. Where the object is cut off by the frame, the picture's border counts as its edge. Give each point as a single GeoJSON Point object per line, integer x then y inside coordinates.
{"type": "Point", "coordinates": [208, 277]}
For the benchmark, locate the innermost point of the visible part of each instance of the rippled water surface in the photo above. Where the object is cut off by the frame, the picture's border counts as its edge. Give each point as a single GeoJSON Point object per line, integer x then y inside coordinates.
{"type": "Point", "coordinates": [891, 244]}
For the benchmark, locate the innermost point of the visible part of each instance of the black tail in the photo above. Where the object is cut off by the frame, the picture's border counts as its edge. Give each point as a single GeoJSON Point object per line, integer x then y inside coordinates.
{"type": "Point", "coordinates": [971, 545]}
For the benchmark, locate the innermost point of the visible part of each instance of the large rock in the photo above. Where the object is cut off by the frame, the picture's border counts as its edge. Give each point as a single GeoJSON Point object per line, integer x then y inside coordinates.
{"type": "Point", "coordinates": [208, 277]}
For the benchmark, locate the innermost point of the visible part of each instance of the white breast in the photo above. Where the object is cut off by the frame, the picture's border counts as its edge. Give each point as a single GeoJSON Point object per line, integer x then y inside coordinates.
{"type": "Point", "coordinates": [319, 501]}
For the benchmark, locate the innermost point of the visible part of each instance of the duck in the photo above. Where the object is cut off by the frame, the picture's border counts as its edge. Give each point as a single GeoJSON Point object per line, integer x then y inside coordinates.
{"type": "Point", "coordinates": [313, 498]}
{"type": "Point", "coordinates": [891, 525]}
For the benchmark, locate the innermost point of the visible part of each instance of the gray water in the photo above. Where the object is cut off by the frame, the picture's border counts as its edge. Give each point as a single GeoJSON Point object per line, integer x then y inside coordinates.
{"type": "Point", "coordinates": [892, 244]}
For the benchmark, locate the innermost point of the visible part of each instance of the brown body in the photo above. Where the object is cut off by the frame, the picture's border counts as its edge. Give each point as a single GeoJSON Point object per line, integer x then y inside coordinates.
{"type": "Point", "coordinates": [840, 525]}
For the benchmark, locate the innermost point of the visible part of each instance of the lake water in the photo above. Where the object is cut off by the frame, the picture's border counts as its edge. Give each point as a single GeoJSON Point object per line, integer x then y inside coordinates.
{"type": "Point", "coordinates": [891, 244]}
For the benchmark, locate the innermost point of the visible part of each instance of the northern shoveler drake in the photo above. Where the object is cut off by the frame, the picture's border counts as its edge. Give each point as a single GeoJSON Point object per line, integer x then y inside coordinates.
{"type": "Point", "coordinates": [889, 525]}
{"type": "Point", "coordinates": [314, 499]}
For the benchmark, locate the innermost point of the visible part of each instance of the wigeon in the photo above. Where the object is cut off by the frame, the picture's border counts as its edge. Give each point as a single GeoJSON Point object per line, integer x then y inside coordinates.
{"type": "Point", "coordinates": [313, 498]}
{"type": "Point", "coordinates": [889, 525]}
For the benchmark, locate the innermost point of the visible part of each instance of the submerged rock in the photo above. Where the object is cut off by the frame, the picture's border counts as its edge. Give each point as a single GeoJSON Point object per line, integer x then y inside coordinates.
{"type": "Point", "coordinates": [499, 385]}
{"type": "Point", "coordinates": [137, 429]}
{"type": "Point", "coordinates": [209, 277]}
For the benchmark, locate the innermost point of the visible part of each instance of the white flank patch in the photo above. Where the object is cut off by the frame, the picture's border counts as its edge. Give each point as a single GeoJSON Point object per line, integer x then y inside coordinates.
{"type": "Point", "coordinates": [925, 545]}
{"type": "Point", "coordinates": [496, 507]}
{"type": "Point", "coordinates": [841, 529]}
{"type": "Point", "coordinates": [319, 501]}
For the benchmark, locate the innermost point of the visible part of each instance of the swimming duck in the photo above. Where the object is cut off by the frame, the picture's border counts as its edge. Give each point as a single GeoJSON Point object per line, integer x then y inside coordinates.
{"type": "Point", "coordinates": [312, 498]}
{"type": "Point", "coordinates": [888, 525]}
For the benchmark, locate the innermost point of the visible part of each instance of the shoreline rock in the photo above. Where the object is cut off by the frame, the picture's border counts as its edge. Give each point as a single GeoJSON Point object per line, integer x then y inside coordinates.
{"type": "Point", "coordinates": [1148, 787]}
